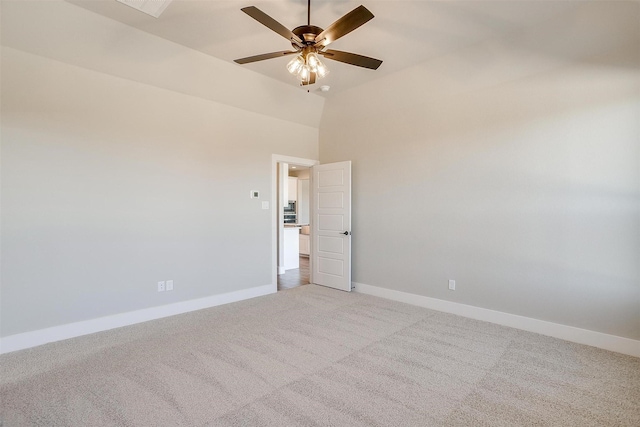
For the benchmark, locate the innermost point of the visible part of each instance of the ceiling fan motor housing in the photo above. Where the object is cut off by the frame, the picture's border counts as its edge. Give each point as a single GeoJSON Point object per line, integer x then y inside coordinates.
{"type": "Point", "coordinates": [307, 33]}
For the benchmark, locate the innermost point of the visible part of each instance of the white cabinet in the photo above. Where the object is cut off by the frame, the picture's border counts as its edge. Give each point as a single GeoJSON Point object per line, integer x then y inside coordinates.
{"type": "Point", "coordinates": [291, 248]}
{"type": "Point", "coordinates": [293, 189]}
{"type": "Point", "coordinates": [304, 244]}
{"type": "Point", "coordinates": [303, 201]}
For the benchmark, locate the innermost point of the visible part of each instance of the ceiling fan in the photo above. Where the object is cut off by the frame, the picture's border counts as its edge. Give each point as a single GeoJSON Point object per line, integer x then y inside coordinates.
{"type": "Point", "coordinates": [310, 41]}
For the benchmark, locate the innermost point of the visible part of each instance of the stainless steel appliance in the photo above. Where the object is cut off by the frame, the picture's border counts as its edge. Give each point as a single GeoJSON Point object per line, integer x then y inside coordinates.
{"type": "Point", "coordinates": [290, 215]}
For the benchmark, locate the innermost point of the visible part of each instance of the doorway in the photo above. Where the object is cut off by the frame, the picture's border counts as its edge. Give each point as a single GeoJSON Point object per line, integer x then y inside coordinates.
{"type": "Point", "coordinates": [297, 242]}
{"type": "Point", "coordinates": [291, 221]}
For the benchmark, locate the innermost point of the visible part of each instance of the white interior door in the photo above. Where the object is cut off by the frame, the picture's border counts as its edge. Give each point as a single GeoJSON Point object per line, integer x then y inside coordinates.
{"type": "Point", "coordinates": [331, 235]}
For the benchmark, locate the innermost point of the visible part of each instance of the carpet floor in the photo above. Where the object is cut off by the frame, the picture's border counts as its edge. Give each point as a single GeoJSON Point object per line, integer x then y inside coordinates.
{"type": "Point", "coordinates": [312, 356]}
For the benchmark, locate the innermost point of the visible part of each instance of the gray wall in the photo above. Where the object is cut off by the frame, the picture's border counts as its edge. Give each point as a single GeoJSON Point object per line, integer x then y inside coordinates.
{"type": "Point", "coordinates": [512, 167]}
{"type": "Point", "coordinates": [110, 185]}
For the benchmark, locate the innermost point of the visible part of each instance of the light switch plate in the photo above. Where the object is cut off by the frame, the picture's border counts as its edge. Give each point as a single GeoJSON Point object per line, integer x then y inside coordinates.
{"type": "Point", "coordinates": [169, 285]}
{"type": "Point", "coordinates": [255, 194]}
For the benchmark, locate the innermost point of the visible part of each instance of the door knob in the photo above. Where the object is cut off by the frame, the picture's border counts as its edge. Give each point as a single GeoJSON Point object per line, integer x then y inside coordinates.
{"type": "Point", "coordinates": [346, 233]}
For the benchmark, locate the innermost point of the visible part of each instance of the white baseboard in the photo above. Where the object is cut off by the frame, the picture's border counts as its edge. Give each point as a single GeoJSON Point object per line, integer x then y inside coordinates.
{"type": "Point", "coordinates": [556, 330]}
{"type": "Point", "coordinates": [72, 330]}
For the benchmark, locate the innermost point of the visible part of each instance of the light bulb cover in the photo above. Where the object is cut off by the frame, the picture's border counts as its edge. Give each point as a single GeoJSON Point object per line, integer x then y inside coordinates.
{"type": "Point", "coordinates": [313, 61]}
{"type": "Point", "coordinates": [305, 74]}
{"type": "Point", "coordinates": [295, 65]}
{"type": "Point", "coordinates": [321, 70]}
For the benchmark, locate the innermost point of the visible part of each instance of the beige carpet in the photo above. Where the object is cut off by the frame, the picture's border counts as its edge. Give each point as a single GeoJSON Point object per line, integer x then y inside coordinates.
{"type": "Point", "coordinates": [312, 356]}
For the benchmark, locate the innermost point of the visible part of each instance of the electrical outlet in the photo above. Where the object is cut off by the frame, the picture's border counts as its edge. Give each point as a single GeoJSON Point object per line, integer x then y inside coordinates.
{"type": "Point", "coordinates": [452, 285]}
{"type": "Point", "coordinates": [161, 286]}
{"type": "Point", "coordinates": [169, 285]}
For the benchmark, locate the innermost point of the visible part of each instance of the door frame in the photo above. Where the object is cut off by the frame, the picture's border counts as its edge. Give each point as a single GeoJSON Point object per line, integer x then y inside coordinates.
{"type": "Point", "coordinates": [276, 227]}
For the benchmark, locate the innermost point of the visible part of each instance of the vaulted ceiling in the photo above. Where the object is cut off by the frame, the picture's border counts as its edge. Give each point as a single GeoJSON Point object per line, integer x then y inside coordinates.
{"type": "Point", "coordinates": [402, 34]}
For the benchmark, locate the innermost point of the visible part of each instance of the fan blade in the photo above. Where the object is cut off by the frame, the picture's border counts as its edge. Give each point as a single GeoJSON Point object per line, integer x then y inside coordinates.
{"type": "Point", "coordinates": [352, 58]}
{"type": "Point", "coordinates": [264, 56]}
{"type": "Point", "coordinates": [271, 23]}
{"type": "Point", "coordinates": [349, 22]}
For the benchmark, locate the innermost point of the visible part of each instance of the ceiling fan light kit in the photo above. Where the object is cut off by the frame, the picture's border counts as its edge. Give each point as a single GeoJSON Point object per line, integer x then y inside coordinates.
{"type": "Point", "coordinates": [307, 64]}
{"type": "Point", "coordinates": [310, 41]}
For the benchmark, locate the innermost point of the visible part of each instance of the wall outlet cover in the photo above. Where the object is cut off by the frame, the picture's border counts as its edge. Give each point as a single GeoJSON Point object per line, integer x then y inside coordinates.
{"type": "Point", "coordinates": [161, 286]}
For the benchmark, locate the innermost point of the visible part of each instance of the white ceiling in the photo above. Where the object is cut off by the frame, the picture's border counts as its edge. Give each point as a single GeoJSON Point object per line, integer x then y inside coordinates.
{"type": "Point", "coordinates": [402, 34]}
